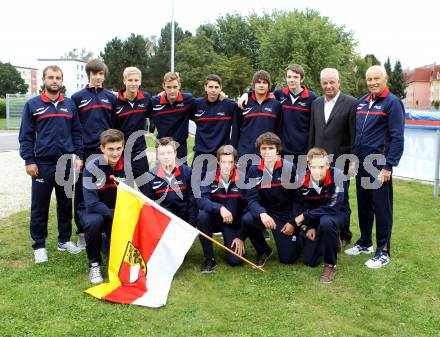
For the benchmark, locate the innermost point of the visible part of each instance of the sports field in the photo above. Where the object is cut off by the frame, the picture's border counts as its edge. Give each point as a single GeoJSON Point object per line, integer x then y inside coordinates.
{"type": "Point", "coordinates": [402, 299]}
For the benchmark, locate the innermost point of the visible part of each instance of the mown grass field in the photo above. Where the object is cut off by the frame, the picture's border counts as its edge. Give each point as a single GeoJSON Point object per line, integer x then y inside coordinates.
{"type": "Point", "coordinates": [402, 299]}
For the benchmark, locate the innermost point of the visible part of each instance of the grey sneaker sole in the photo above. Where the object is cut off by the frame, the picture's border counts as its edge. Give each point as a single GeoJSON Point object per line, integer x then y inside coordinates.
{"type": "Point", "coordinates": [65, 250]}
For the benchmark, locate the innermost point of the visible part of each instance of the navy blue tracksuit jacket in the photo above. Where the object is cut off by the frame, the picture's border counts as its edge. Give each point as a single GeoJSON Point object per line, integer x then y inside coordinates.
{"type": "Point", "coordinates": [131, 116]}
{"type": "Point", "coordinates": [328, 201]}
{"type": "Point", "coordinates": [294, 120]}
{"type": "Point", "coordinates": [270, 195]}
{"type": "Point", "coordinates": [101, 199]}
{"type": "Point", "coordinates": [380, 128]}
{"type": "Point", "coordinates": [215, 195]}
{"type": "Point", "coordinates": [49, 130]}
{"type": "Point", "coordinates": [254, 120]}
{"type": "Point", "coordinates": [172, 119]}
{"type": "Point", "coordinates": [174, 192]}
{"type": "Point", "coordinates": [95, 107]}
{"type": "Point", "coordinates": [214, 122]}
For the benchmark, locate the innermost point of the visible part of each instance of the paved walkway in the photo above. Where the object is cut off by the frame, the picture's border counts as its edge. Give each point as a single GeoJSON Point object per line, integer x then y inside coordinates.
{"type": "Point", "coordinates": [15, 184]}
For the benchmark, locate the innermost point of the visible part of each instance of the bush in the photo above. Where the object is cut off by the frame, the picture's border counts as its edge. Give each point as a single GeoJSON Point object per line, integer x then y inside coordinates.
{"type": "Point", "coordinates": [2, 107]}
{"type": "Point", "coordinates": [436, 105]}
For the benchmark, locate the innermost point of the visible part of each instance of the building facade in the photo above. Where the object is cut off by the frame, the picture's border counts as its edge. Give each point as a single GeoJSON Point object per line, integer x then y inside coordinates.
{"type": "Point", "coordinates": [423, 87]}
{"type": "Point", "coordinates": [74, 73]}
{"type": "Point", "coordinates": [29, 75]}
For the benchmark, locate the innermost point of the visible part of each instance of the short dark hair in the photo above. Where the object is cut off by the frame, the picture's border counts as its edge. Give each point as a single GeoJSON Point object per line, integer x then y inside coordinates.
{"type": "Point", "coordinates": [316, 152]}
{"type": "Point", "coordinates": [296, 68]}
{"type": "Point", "coordinates": [165, 141]}
{"type": "Point", "coordinates": [95, 66]}
{"type": "Point", "coordinates": [214, 77]}
{"type": "Point", "coordinates": [268, 138]}
{"type": "Point", "coordinates": [225, 150]}
{"type": "Point", "coordinates": [111, 136]}
{"type": "Point", "coordinates": [261, 75]}
{"type": "Point", "coordinates": [52, 67]}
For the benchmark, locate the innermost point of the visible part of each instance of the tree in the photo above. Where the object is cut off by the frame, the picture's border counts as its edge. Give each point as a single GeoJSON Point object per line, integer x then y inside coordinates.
{"type": "Point", "coordinates": [398, 81]}
{"type": "Point", "coordinates": [236, 36]}
{"type": "Point", "coordinates": [197, 58]}
{"type": "Point", "coordinates": [161, 60]}
{"type": "Point", "coordinates": [83, 54]}
{"type": "Point", "coordinates": [11, 81]}
{"type": "Point", "coordinates": [372, 59]}
{"type": "Point", "coordinates": [236, 73]}
{"type": "Point", "coordinates": [361, 64]}
{"type": "Point", "coordinates": [306, 38]}
{"type": "Point", "coordinates": [135, 51]}
{"type": "Point", "coordinates": [388, 69]}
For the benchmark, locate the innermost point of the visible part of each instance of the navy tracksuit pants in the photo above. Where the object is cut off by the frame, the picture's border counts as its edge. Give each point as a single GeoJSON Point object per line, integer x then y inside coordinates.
{"type": "Point", "coordinates": [286, 245]}
{"type": "Point", "coordinates": [78, 203]}
{"type": "Point", "coordinates": [42, 187]}
{"type": "Point", "coordinates": [138, 168]}
{"type": "Point", "coordinates": [209, 223]}
{"type": "Point", "coordinates": [95, 224]}
{"type": "Point", "coordinates": [324, 247]}
{"type": "Point", "coordinates": [374, 204]}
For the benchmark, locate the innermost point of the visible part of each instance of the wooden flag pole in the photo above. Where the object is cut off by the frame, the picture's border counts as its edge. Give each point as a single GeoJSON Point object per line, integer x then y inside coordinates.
{"type": "Point", "coordinates": [214, 241]}
{"type": "Point", "coordinates": [231, 251]}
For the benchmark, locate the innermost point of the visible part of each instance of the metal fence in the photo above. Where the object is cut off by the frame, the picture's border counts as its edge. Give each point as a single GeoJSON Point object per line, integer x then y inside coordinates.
{"type": "Point", "coordinates": [14, 106]}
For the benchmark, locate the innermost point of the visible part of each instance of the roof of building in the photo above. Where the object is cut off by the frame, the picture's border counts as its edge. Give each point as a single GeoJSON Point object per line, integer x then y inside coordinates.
{"type": "Point", "coordinates": [422, 74]}
{"type": "Point", "coordinates": [62, 60]}
{"type": "Point", "coordinates": [26, 68]}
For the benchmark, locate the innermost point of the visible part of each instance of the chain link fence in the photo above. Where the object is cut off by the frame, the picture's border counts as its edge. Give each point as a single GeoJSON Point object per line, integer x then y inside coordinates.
{"type": "Point", "coordinates": [14, 107]}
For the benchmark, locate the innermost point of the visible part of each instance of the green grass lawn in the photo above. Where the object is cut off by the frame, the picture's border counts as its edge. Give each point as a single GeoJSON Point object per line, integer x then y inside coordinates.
{"type": "Point", "coordinates": [14, 123]}
{"type": "Point", "coordinates": [401, 299]}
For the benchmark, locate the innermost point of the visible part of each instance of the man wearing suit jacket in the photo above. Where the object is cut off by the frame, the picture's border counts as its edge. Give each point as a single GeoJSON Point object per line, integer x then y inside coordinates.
{"type": "Point", "coordinates": [332, 127]}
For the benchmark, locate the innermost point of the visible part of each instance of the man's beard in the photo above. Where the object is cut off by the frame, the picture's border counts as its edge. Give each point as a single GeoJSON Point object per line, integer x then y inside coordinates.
{"type": "Point", "coordinates": [52, 91]}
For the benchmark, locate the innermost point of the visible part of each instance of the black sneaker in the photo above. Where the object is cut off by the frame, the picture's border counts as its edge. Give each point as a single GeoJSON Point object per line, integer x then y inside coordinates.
{"type": "Point", "coordinates": [266, 235]}
{"type": "Point", "coordinates": [262, 258]}
{"type": "Point", "coordinates": [208, 265]}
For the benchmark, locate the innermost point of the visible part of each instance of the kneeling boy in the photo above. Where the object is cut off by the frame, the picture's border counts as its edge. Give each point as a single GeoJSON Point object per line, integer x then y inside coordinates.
{"type": "Point", "coordinates": [170, 183]}
{"type": "Point", "coordinates": [322, 213]}
{"type": "Point", "coordinates": [100, 197]}
{"type": "Point", "coordinates": [220, 207]}
{"type": "Point", "coordinates": [272, 201]}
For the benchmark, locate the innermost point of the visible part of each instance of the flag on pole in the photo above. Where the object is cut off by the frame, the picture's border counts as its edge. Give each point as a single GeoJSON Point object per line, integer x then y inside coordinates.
{"type": "Point", "coordinates": [148, 244]}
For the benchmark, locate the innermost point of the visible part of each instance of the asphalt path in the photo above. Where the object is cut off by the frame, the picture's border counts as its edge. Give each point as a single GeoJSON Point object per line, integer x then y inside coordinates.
{"type": "Point", "coordinates": [8, 141]}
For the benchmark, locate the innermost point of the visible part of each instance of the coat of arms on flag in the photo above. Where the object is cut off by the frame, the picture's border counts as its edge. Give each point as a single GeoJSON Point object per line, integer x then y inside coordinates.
{"type": "Point", "coordinates": [148, 245]}
{"type": "Point", "coordinates": [133, 265]}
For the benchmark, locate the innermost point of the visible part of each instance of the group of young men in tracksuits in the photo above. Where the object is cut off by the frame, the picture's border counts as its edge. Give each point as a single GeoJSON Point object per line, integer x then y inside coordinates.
{"type": "Point", "coordinates": [243, 198]}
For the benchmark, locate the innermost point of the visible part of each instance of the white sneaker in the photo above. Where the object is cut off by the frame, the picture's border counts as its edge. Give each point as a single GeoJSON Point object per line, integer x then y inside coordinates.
{"type": "Point", "coordinates": [40, 255]}
{"type": "Point", "coordinates": [81, 244]}
{"type": "Point", "coordinates": [378, 261]}
{"type": "Point", "coordinates": [95, 276]}
{"type": "Point", "coordinates": [357, 249]}
{"type": "Point", "coordinates": [69, 246]}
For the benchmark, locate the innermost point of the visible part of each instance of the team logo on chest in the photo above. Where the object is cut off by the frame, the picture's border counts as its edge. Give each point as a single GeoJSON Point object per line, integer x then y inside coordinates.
{"type": "Point", "coordinates": [40, 111]}
{"type": "Point", "coordinates": [84, 103]}
{"type": "Point", "coordinates": [158, 107]}
{"type": "Point", "coordinates": [200, 113]}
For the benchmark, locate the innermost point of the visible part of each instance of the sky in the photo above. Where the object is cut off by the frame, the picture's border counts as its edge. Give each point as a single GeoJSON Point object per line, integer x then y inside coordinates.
{"type": "Point", "coordinates": [48, 29]}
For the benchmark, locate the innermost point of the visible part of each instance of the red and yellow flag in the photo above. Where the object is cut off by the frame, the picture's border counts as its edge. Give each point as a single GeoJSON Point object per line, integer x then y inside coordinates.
{"type": "Point", "coordinates": [148, 245]}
